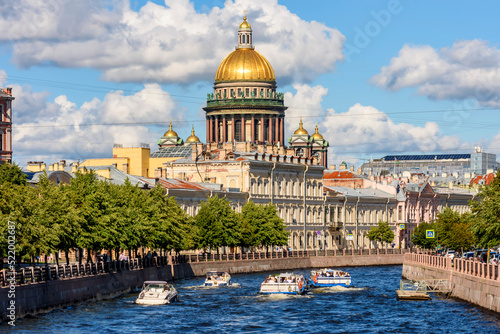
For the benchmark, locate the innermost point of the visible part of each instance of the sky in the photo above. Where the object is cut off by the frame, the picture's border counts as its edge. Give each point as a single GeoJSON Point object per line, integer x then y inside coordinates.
{"type": "Point", "coordinates": [378, 77]}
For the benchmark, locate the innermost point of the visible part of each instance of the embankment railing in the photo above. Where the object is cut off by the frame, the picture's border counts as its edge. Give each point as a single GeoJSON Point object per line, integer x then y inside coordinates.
{"type": "Point", "coordinates": [40, 274]}
{"type": "Point", "coordinates": [467, 267]}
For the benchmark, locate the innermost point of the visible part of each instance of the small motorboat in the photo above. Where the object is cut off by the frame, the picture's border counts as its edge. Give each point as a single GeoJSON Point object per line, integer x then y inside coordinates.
{"type": "Point", "coordinates": [157, 293]}
{"type": "Point", "coordinates": [218, 278]}
{"type": "Point", "coordinates": [284, 283]}
{"type": "Point", "coordinates": [329, 277]}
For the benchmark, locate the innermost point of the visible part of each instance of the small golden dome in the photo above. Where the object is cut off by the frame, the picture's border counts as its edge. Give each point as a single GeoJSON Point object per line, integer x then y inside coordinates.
{"type": "Point", "coordinates": [301, 130]}
{"type": "Point", "coordinates": [316, 135]}
{"type": "Point", "coordinates": [245, 24]}
{"type": "Point", "coordinates": [192, 138]}
{"type": "Point", "coordinates": [170, 132]}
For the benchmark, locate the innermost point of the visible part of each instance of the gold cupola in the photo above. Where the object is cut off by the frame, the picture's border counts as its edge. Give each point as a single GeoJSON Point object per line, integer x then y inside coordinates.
{"type": "Point", "coordinates": [193, 138]}
{"type": "Point", "coordinates": [170, 132]}
{"type": "Point", "coordinates": [316, 135]}
{"type": "Point", "coordinates": [245, 25]}
{"type": "Point", "coordinates": [301, 130]}
{"type": "Point", "coordinates": [245, 64]}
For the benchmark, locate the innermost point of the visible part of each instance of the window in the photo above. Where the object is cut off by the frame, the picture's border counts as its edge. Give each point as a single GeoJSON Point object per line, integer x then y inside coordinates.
{"type": "Point", "coordinates": [237, 130]}
{"type": "Point", "coordinates": [247, 92]}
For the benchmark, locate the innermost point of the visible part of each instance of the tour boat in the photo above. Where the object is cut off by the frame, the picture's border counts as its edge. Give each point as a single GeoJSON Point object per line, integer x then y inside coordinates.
{"type": "Point", "coordinates": [217, 278]}
{"type": "Point", "coordinates": [284, 283]}
{"type": "Point", "coordinates": [157, 293]}
{"type": "Point", "coordinates": [329, 277]}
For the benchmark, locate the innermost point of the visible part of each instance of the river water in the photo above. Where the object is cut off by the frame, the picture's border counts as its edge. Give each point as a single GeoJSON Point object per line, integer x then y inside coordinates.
{"type": "Point", "coordinates": [368, 306]}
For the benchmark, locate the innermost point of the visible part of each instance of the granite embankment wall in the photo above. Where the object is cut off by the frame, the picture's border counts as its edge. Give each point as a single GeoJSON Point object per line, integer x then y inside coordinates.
{"type": "Point", "coordinates": [472, 281]}
{"type": "Point", "coordinates": [40, 290]}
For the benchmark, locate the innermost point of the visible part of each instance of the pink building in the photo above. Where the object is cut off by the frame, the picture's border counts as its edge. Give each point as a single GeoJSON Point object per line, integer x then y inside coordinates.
{"type": "Point", "coordinates": [6, 125]}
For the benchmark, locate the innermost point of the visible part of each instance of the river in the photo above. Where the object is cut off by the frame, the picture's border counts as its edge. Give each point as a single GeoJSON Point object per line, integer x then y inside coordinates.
{"type": "Point", "coordinates": [368, 306]}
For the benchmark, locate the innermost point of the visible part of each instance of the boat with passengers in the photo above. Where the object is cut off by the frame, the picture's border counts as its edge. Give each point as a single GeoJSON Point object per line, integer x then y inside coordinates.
{"type": "Point", "coordinates": [284, 283]}
{"type": "Point", "coordinates": [329, 277]}
{"type": "Point", "coordinates": [157, 293]}
{"type": "Point", "coordinates": [217, 278]}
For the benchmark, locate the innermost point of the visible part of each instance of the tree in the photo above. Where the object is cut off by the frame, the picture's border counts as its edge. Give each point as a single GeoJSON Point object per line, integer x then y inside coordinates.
{"type": "Point", "coordinates": [217, 223]}
{"type": "Point", "coordinates": [12, 174]}
{"type": "Point", "coordinates": [419, 236]}
{"type": "Point", "coordinates": [250, 218]}
{"type": "Point", "coordinates": [454, 229]}
{"type": "Point", "coordinates": [382, 233]}
{"type": "Point", "coordinates": [486, 214]}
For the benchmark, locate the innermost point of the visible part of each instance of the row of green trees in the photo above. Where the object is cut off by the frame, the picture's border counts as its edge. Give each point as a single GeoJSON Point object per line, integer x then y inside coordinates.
{"type": "Point", "coordinates": [96, 215]}
{"type": "Point", "coordinates": [480, 227]}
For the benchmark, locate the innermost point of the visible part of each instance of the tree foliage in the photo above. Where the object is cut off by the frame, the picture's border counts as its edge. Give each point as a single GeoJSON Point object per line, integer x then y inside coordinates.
{"type": "Point", "coordinates": [454, 229]}
{"type": "Point", "coordinates": [261, 226]}
{"type": "Point", "coordinates": [217, 224]}
{"type": "Point", "coordinates": [419, 236]}
{"type": "Point", "coordinates": [486, 214]}
{"type": "Point", "coordinates": [382, 233]}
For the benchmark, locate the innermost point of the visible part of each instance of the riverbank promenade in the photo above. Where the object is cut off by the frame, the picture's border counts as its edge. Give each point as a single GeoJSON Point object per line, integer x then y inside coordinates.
{"type": "Point", "coordinates": [472, 281]}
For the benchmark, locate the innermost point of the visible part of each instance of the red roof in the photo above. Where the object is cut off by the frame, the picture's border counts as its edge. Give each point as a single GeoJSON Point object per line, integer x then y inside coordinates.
{"type": "Point", "coordinates": [340, 174]}
{"type": "Point", "coordinates": [486, 179]}
{"type": "Point", "coordinates": [175, 184]}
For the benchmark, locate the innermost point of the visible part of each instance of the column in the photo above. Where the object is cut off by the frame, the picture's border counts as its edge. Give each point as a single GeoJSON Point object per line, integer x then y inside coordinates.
{"type": "Point", "coordinates": [208, 129]}
{"type": "Point", "coordinates": [243, 126]}
{"type": "Point", "coordinates": [252, 135]}
{"type": "Point", "coordinates": [224, 129]}
{"type": "Point", "coordinates": [216, 128]}
{"type": "Point", "coordinates": [277, 130]}
{"type": "Point", "coordinates": [282, 131]}
{"type": "Point", "coordinates": [233, 128]}
{"type": "Point", "coordinates": [261, 137]}
{"type": "Point", "coordinates": [270, 130]}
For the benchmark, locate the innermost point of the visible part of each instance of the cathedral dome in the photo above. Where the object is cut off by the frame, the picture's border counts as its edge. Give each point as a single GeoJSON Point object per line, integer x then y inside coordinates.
{"type": "Point", "coordinates": [245, 65]}
{"type": "Point", "coordinates": [316, 135]}
{"type": "Point", "coordinates": [170, 132]}
{"type": "Point", "coordinates": [193, 138]}
{"type": "Point", "coordinates": [301, 130]}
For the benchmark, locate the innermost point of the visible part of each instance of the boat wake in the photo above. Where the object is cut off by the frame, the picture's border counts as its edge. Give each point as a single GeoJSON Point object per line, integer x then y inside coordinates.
{"type": "Point", "coordinates": [336, 289]}
{"type": "Point", "coordinates": [203, 287]}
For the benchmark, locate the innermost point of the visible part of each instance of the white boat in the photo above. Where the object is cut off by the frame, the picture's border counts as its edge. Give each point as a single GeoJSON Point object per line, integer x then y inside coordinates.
{"type": "Point", "coordinates": [284, 283]}
{"type": "Point", "coordinates": [157, 293]}
{"type": "Point", "coordinates": [329, 277]}
{"type": "Point", "coordinates": [217, 278]}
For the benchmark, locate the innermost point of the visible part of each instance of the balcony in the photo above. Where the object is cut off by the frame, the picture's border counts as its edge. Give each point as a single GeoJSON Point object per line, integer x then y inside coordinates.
{"type": "Point", "coordinates": [277, 101]}
{"type": "Point", "coordinates": [335, 226]}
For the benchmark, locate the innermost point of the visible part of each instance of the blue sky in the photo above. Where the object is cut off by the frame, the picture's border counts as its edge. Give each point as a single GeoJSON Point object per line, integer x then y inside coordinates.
{"type": "Point", "coordinates": [385, 77]}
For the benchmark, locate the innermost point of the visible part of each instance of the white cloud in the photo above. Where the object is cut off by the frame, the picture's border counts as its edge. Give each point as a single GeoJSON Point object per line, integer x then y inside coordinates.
{"type": "Point", "coordinates": [468, 70]}
{"type": "Point", "coordinates": [362, 130]}
{"type": "Point", "coordinates": [62, 130]}
{"type": "Point", "coordinates": [171, 43]}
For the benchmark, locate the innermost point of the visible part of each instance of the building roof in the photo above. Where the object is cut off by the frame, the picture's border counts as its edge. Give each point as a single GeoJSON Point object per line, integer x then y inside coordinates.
{"type": "Point", "coordinates": [426, 157]}
{"type": "Point", "coordinates": [173, 152]}
{"type": "Point", "coordinates": [169, 183]}
{"type": "Point", "coordinates": [360, 192]}
{"type": "Point", "coordinates": [482, 179]}
{"type": "Point", "coordinates": [340, 174]}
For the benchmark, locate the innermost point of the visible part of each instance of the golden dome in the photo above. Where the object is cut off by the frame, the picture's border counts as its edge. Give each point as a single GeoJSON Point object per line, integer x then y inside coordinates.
{"type": "Point", "coordinates": [245, 64]}
{"type": "Point", "coordinates": [192, 138]}
{"type": "Point", "coordinates": [300, 130]}
{"type": "Point", "coordinates": [170, 132]}
{"type": "Point", "coordinates": [245, 24]}
{"type": "Point", "coordinates": [316, 135]}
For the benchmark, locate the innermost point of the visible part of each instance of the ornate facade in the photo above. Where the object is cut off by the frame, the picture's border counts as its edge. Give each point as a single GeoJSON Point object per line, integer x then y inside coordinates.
{"type": "Point", "coordinates": [6, 99]}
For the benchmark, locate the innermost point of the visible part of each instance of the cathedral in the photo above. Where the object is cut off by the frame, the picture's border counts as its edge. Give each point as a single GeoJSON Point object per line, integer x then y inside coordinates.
{"type": "Point", "coordinates": [245, 107]}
